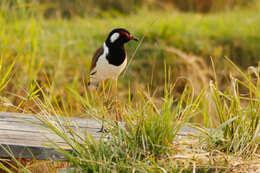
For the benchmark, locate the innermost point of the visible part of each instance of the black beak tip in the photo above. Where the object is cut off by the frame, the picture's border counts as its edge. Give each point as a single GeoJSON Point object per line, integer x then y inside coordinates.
{"type": "Point", "coordinates": [135, 39]}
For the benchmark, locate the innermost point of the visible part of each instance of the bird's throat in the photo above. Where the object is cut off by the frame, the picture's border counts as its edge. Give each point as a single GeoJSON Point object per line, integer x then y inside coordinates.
{"type": "Point", "coordinates": [116, 55]}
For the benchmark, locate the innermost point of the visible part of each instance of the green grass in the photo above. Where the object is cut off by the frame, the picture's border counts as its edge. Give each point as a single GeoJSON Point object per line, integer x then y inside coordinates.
{"type": "Point", "coordinates": [147, 142]}
{"type": "Point", "coordinates": [238, 115]}
{"type": "Point", "coordinates": [47, 51]}
{"type": "Point", "coordinates": [44, 70]}
{"type": "Point", "coordinates": [138, 144]}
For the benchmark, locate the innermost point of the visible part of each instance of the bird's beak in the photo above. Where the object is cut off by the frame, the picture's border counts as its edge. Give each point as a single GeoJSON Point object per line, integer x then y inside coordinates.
{"type": "Point", "coordinates": [133, 38]}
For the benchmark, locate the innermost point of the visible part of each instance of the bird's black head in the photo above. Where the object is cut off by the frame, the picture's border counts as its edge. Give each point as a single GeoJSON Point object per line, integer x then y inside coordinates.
{"type": "Point", "coordinates": [119, 36]}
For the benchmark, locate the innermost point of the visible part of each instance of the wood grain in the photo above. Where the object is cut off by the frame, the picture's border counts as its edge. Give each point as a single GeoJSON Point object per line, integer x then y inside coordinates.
{"type": "Point", "coordinates": [26, 136]}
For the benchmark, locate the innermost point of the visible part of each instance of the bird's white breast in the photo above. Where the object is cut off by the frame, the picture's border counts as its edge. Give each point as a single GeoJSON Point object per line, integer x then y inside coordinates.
{"type": "Point", "coordinates": [104, 70]}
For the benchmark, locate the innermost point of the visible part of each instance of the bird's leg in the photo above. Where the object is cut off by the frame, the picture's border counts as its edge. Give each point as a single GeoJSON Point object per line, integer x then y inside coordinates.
{"type": "Point", "coordinates": [116, 84]}
{"type": "Point", "coordinates": [103, 88]}
{"type": "Point", "coordinates": [116, 104]}
{"type": "Point", "coordinates": [102, 129]}
{"type": "Point", "coordinates": [102, 125]}
{"type": "Point", "coordinates": [109, 89]}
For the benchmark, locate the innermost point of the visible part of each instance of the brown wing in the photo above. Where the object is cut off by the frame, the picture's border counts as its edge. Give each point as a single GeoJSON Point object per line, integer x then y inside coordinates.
{"type": "Point", "coordinates": [97, 54]}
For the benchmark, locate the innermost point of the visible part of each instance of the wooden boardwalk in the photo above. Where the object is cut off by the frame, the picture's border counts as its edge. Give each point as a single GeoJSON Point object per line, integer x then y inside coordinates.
{"type": "Point", "coordinates": [25, 136]}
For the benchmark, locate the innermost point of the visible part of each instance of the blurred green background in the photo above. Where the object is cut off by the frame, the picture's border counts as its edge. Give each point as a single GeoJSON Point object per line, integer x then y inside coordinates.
{"type": "Point", "coordinates": [52, 43]}
{"type": "Point", "coordinates": [69, 8]}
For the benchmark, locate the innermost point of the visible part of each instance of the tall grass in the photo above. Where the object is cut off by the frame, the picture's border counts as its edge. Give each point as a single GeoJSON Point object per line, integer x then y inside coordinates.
{"type": "Point", "coordinates": [147, 139]}
{"type": "Point", "coordinates": [238, 113]}
{"type": "Point", "coordinates": [142, 142]}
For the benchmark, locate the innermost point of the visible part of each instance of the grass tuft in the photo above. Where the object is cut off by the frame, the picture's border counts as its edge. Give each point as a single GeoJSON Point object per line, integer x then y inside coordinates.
{"type": "Point", "coordinates": [238, 115]}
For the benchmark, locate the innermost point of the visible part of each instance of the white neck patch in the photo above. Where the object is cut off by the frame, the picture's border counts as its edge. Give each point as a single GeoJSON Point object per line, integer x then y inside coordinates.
{"type": "Point", "coordinates": [114, 37]}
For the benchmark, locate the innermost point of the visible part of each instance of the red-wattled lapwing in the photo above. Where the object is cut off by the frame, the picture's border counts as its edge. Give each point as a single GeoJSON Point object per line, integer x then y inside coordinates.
{"type": "Point", "coordinates": [110, 59]}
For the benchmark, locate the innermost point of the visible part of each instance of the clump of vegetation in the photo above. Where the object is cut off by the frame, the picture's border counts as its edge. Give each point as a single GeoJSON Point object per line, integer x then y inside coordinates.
{"type": "Point", "coordinates": [141, 143]}
{"type": "Point", "coordinates": [238, 114]}
{"type": "Point", "coordinates": [147, 138]}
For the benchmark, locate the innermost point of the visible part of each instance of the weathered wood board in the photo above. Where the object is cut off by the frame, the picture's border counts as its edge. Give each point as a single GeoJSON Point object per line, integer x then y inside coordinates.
{"type": "Point", "coordinates": [25, 136]}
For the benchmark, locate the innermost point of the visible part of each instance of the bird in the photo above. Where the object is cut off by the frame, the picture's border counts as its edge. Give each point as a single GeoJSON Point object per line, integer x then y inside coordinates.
{"type": "Point", "coordinates": [110, 59]}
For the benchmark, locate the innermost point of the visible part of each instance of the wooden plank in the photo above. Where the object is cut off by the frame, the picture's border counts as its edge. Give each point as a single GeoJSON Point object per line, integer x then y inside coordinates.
{"type": "Point", "coordinates": [25, 136]}
{"type": "Point", "coordinates": [18, 117]}
{"type": "Point", "coordinates": [39, 153]}
{"type": "Point", "coordinates": [29, 137]}
{"type": "Point", "coordinates": [39, 129]}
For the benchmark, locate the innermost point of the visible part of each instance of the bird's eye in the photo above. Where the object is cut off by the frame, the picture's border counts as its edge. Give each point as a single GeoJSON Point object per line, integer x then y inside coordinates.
{"type": "Point", "coordinates": [125, 34]}
{"type": "Point", "coordinates": [114, 37]}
